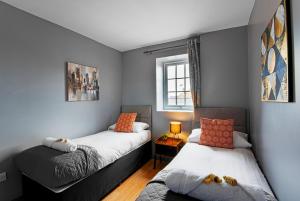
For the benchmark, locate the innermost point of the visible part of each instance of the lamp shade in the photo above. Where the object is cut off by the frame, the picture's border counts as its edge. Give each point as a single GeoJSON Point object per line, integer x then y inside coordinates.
{"type": "Point", "coordinates": [175, 127]}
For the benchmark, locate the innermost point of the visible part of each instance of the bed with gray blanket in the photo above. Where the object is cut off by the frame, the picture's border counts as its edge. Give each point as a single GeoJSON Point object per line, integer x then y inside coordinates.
{"type": "Point", "coordinates": [90, 172]}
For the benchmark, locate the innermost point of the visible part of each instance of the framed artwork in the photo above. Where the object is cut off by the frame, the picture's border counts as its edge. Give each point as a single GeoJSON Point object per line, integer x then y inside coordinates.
{"type": "Point", "coordinates": [276, 58]}
{"type": "Point", "coordinates": [82, 83]}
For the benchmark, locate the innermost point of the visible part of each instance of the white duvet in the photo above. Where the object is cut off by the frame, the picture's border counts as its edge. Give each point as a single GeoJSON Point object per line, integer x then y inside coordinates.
{"type": "Point", "coordinates": [112, 145]}
{"type": "Point", "coordinates": [191, 184]}
{"type": "Point", "coordinates": [237, 163]}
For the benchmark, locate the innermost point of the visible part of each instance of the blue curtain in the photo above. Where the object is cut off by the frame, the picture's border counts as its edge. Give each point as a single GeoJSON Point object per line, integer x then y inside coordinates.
{"type": "Point", "coordinates": [193, 45]}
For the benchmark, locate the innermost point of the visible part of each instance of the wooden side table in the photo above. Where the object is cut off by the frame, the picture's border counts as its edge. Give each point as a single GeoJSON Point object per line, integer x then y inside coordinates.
{"type": "Point", "coordinates": [167, 148]}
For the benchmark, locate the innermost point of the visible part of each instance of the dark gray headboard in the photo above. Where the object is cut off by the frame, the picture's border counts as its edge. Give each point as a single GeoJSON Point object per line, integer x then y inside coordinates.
{"type": "Point", "coordinates": [238, 114]}
{"type": "Point", "coordinates": [144, 112]}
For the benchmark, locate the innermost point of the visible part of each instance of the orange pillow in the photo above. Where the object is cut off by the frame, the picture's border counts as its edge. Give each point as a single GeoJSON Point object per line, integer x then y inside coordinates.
{"type": "Point", "coordinates": [125, 122]}
{"type": "Point", "coordinates": [217, 133]}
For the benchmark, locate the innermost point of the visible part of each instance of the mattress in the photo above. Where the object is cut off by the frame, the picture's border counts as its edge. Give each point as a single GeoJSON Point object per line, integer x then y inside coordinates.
{"type": "Point", "coordinates": [109, 145]}
{"type": "Point", "coordinates": [238, 163]}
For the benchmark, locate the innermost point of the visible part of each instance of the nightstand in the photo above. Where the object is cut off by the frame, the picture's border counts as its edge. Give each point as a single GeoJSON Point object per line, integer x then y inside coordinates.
{"type": "Point", "coordinates": [167, 148]}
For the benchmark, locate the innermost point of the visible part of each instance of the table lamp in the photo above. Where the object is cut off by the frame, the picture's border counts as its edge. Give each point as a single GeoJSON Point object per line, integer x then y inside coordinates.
{"type": "Point", "coordinates": [175, 127]}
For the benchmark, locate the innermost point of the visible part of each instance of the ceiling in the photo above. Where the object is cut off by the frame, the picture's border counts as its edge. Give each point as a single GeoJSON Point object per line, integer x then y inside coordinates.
{"type": "Point", "coordinates": [131, 24]}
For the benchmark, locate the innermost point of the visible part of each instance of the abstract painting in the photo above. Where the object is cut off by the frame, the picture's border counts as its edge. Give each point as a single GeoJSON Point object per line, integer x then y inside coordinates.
{"type": "Point", "coordinates": [276, 62]}
{"type": "Point", "coordinates": [82, 83]}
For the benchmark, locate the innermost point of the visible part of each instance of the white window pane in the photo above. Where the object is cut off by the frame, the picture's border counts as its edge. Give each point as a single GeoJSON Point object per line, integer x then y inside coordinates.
{"type": "Point", "coordinates": [180, 71]}
{"type": "Point", "coordinates": [181, 95]}
{"type": "Point", "coordinates": [187, 84]}
{"type": "Point", "coordinates": [172, 95]}
{"type": "Point", "coordinates": [177, 79]}
{"type": "Point", "coordinates": [180, 84]}
{"type": "Point", "coordinates": [172, 98]}
{"type": "Point", "coordinates": [187, 70]}
{"type": "Point", "coordinates": [171, 85]}
{"type": "Point", "coordinates": [189, 101]}
{"type": "Point", "coordinates": [180, 101]}
{"type": "Point", "coordinates": [171, 72]}
{"type": "Point", "coordinates": [188, 95]}
{"type": "Point", "coordinates": [171, 101]}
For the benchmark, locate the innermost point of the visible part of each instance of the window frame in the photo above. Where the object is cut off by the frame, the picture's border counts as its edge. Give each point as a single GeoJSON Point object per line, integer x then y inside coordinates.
{"type": "Point", "coordinates": [165, 86]}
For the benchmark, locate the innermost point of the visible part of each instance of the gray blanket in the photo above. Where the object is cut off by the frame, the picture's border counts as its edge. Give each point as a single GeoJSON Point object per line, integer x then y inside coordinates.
{"type": "Point", "coordinates": [156, 190]}
{"type": "Point", "coordinates": [54, 169]}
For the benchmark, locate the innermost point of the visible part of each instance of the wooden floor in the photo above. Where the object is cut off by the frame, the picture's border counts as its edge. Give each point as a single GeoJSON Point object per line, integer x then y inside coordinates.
{"type": "Point", "coordinates": [130, 189]}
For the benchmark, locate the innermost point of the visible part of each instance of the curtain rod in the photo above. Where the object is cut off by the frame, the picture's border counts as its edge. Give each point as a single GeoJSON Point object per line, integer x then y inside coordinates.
{"type": "Point", "coordinates": [164, 48]}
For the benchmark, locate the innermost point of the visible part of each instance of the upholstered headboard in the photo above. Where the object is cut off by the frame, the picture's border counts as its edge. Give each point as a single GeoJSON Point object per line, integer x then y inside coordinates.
{"type": "Point", "coordinates": [238, 114]}
{"type": "Point", "coordinates": [144, 112]}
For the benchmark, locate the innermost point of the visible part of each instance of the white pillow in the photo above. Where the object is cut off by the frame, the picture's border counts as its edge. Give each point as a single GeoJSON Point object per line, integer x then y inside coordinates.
{"type": "Point", "coordinates": [137, 127]}
{"type": "Point", "coordinates": [240, 140]}
{"type": "Point", "coordinates": [241, 134]}
{"type": "Point", "coordinates": [195, 135]}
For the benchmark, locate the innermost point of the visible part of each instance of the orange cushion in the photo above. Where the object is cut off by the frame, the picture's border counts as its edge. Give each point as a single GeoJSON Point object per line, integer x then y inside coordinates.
{"type": "Point", "coordinates": [217, 132]}
{"type": "Point", "coordinates": [125, 122]}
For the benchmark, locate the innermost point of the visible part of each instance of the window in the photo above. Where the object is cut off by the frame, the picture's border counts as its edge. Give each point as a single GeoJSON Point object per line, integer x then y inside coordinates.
{"type": "Point", "coordinates": [177, 91]}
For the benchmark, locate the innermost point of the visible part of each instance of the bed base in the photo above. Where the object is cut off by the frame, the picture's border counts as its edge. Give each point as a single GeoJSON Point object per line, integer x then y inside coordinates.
{"type": "Point", "coordinates": [94, 187]}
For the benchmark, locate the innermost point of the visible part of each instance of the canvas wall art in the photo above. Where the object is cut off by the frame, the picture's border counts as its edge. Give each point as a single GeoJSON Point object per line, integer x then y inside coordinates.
{"type": "Point", "coordinates": [82, 83]}
{"type": "Point", "coordinates": [276, 62]}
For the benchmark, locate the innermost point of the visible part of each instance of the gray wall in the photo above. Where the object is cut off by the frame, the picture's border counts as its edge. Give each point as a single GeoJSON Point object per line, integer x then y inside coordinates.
{"type": "Point", "coordinates": [224, 75]}
{"type": "Point", "coordinates": [33, 56]}
{"type": "Point", "coordinates": [275, 126]}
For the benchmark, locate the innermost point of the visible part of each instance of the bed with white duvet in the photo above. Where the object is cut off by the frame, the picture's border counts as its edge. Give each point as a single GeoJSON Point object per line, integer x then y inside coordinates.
{"type": "Point", "coordinates": [199, 160]}
{"type": "Point", "coordinates": [112, 145]}
{"type": "Point", "coordinates": [89, 167]}
{"type": "Point", "coordinates": [185, 177]}
{"type": "Point", "coordinates": [58, 171]}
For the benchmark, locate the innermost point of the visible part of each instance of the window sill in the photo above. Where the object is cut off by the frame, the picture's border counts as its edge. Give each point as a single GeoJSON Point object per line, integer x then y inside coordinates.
{"type": "Point", "coordinates": [186, 111]}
